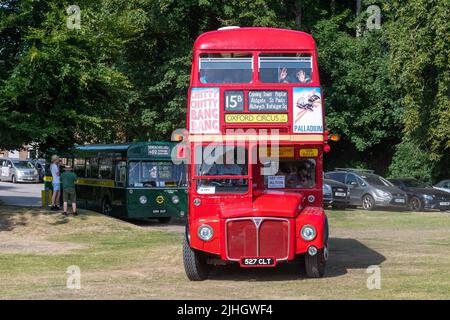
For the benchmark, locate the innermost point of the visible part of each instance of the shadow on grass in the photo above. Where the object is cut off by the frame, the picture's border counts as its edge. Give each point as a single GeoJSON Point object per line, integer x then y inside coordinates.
{"type": "Point", "coordinates": [345, 254]}
{"type": "Point", "coordinates": [12, 217]}
{"type": "Point", "coordinates": [155, 222]}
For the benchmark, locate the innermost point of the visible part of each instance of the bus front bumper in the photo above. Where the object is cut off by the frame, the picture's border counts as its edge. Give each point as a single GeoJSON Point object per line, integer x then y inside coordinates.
{"type": "Point", "coordinates": [240, 238]}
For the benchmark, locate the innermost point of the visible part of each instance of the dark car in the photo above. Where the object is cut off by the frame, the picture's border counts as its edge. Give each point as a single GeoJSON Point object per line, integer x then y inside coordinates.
{"type": "Point", "coordinates": [422, 196]}
{"type": "Point", "coordinates": [40, 167]}
{"type": "Point", "coordinates": [335, 194]}
{"type": "Point", "coordinates": [368, 189]}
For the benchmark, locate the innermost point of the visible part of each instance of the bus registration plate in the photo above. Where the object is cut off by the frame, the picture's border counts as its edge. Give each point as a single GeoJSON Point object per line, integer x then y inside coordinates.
{"type": "Point", "coordinates": [257, 262]}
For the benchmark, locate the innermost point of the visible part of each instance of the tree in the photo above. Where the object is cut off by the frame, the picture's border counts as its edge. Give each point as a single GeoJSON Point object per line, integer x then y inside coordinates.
{"type": "Point", "coordinates": [62, 86]}
{"type": "Point", "coordinates": [418, 37]}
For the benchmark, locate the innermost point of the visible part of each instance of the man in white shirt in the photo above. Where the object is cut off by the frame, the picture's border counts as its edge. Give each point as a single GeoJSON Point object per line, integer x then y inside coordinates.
{"type": "Point", "coordinates": [56, 182]}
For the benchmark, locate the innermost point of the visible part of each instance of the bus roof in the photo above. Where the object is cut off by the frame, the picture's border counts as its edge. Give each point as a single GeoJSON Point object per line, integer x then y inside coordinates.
{"type": "Point", "coordinates": [136, 150]}
{"type": "Point", "coordinates": [104, 147]}
{"type": "Point", "coordinates": [255, 39]}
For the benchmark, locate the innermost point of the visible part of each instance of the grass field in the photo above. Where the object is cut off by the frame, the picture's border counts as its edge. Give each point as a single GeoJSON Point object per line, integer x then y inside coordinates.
{"type": "Point", "coordinates": [120, 260]}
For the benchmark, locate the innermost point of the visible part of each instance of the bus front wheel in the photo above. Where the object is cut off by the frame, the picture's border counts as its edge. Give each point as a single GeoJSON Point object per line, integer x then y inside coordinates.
{"type": "Point", "coordinates": [315, 265]}
{"type": "Point", "coordinates": [194, 263]}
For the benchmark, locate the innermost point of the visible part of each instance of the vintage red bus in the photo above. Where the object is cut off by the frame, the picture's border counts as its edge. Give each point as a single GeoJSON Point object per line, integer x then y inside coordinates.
{"type": "Point", "coordinates": [255, 137]}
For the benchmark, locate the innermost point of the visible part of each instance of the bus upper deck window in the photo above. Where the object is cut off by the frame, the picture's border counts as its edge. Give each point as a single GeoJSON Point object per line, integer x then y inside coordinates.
{"type": "Point", "coordinates": [226, 68]}
{"type": "Point", "coordinates": [285, 68]}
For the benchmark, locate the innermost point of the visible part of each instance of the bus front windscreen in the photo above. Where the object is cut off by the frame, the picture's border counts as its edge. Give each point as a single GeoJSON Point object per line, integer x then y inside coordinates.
{"type": "Point", "coordinates": [222, 169]}
{"type": "Point", "coordinates": [151, 174]}
{"type": "Point", "coordinates": [291, 174]}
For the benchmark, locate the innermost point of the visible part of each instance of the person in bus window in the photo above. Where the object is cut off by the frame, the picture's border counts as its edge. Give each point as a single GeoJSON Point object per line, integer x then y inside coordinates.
{"type": "Point", "coordinates": [301, 76]}
{"type": "Point", "coordinates": [292, 178]}
{"type": "Point", "coordinates": [305, 179]}
{"type": "Point", "coordinates": [283, 76]}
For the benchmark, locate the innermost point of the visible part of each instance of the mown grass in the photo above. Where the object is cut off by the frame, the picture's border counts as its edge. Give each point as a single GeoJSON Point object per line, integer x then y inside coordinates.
{"type": "Point", "coordinates": [119, 260]}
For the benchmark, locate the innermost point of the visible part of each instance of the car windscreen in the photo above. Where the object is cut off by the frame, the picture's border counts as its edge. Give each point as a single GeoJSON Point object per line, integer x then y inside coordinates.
{"type": "Point", "coordinates": [23, 164]}
{"type": "Point", "coordinates": [153, 174]}
{"type": "Point", "coordinates": [415, 184]}
{"type": "Point", "coordinates": [376, 180]}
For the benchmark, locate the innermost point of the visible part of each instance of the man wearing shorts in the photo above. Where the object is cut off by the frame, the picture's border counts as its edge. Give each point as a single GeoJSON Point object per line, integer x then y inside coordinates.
{"type": "Point", "coordinates": [68, 179]}
{"type": "Point", "coordinates": [56, 182]}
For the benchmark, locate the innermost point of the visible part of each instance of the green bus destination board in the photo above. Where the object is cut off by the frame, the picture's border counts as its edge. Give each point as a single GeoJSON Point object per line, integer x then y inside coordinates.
{"type": "Point", "coordinates": [267, 100]}
{"type": "Point", "coordinates": [157, 150]}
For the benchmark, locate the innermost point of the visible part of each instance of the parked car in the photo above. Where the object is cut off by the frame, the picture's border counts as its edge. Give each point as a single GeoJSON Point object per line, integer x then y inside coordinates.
{"type": "Point", "coordinates": [443, 185]}
{"type": "Point", "coordinates": [335, 194]}
{"type": "Point", "coordinates": [422, 196]}
{"type": "Point", "coordinates": [39, 164]}
{"type": "Point", "coordinates": [368, 189]}
{"type": "Point", "coordinates": [15, 170]}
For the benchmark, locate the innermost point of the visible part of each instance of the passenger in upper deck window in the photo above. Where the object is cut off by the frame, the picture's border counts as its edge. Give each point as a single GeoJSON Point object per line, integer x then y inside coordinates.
{"type": "Point", "coordinates": [283, 76]}
{"type": "Point", "coordinates": [301, 76]}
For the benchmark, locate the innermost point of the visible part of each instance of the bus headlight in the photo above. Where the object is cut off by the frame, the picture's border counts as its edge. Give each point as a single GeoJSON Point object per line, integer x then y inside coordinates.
{"type": "Point", "coordinates": [143, 199]}
{"type": "Point", "coordinates": [197, 202]}
{"type": "Point", "coordinates": [175, 199]}
{"type": "Point", "coordinates": [205, 232]}
{"type": "Point", "coordinates": [308, 232]}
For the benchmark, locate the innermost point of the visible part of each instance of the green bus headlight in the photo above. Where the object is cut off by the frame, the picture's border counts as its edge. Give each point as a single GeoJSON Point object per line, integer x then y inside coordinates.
{"type": "Point", "coordinates": [175, 199]}
{"type": "Point", "coordinates": [143, 199]}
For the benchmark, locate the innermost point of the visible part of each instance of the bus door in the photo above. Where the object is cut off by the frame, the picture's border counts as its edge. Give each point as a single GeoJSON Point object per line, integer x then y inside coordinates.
{"type": "Point", "coordinates": [118, 200]}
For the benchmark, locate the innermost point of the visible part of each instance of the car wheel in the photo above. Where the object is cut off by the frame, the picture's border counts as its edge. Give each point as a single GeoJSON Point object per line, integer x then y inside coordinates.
{"type": "Point", "coordinates": [415, 204]}
{"type": "Point", "coordinates": [194, 263]}
{"type": "Point", "coordinates": [368, 203]}
{"type": "Point", "coordinates": [13, 179]}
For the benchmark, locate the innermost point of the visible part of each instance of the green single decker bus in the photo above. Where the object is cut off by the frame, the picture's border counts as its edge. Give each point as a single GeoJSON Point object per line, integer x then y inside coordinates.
{"type": "Point", "coordinates": [135, 180]}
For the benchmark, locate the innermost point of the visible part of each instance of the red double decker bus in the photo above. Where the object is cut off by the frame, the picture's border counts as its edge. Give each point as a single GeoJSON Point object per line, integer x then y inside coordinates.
{"type": "Point", "coordinates": [256, 136]}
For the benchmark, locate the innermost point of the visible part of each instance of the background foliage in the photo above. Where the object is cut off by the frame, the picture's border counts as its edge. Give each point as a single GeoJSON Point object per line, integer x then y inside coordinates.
{"type": "Point", "coordinates": [124, 75]}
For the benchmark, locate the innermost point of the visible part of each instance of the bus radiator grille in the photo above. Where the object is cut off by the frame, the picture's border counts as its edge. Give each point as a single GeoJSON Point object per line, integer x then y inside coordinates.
{"type": "Point", "coordinates": [245, 239]}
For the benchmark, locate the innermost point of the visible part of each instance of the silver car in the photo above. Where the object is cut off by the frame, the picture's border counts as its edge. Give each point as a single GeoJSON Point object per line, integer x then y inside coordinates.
{"type": "Point", "coordinates": [15, 170]}
{"type": "Point", "coordinates": [443, 185]}
{"type": "Point", "coordinates": [368, 189]}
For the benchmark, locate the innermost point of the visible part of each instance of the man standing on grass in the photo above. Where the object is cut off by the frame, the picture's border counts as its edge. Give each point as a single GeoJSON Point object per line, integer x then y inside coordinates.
{"type": "Point", "coordinates": [68, 179]}
{"type": "Point", "coordinates": [56, 182]}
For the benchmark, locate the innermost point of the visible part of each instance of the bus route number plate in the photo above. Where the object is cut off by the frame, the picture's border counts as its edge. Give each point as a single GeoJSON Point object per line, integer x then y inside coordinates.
{"type": "Point", "coordinates": [257, 262]}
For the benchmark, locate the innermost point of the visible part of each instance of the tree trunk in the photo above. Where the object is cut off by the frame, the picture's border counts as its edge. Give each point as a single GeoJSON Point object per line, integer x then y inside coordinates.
{"type": "Point", "coordinates": [358, 12]}
{"type": "Point", "coordinates": [298, 15]}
